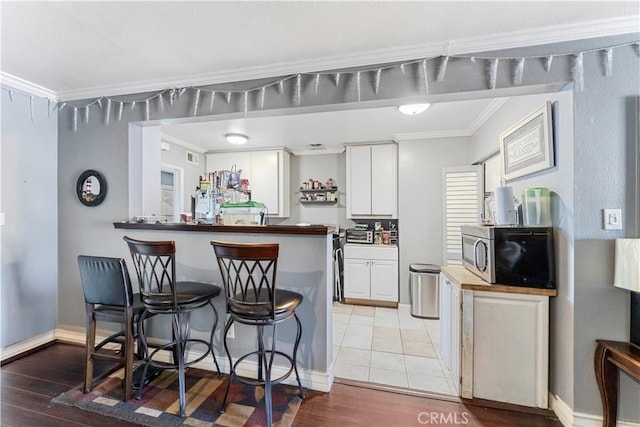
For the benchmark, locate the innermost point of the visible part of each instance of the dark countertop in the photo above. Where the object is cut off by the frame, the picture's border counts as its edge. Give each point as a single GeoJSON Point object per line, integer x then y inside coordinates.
{"type": "Point", "coordinates": [312, 230]}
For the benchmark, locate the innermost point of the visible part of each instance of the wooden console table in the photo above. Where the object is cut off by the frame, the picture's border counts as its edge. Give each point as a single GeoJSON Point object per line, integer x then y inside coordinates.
{"type": "Point", "coordinates": [610, 356]}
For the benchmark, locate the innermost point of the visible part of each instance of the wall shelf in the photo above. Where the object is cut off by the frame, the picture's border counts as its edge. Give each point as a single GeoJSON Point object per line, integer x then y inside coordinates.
{"type": "Point", "coordinates": [320, 202]}
{"type": "Point", "coordinates": [319, 196]}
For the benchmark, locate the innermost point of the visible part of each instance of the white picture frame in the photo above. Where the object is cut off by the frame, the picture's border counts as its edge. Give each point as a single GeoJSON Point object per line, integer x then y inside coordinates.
{"type": "Point", "coordinates": [527, 146]}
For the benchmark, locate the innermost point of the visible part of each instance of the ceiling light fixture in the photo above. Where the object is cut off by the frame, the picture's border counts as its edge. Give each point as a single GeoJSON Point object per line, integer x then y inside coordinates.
{"type": "Point", "coordinates": [413, 109]}
{"type": "Point", "coordinates": [237, 138]}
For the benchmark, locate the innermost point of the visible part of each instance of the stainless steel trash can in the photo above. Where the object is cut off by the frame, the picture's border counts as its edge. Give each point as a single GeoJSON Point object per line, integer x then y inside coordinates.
{"type": "Point", "coordinates": [424, 290]}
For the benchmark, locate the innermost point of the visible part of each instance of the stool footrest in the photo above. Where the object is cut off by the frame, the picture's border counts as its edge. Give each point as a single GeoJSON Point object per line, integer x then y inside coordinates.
{"type": "Point", "coordinates": [169, 346]}
{"type": "Point", "coordinates": [257, 382]}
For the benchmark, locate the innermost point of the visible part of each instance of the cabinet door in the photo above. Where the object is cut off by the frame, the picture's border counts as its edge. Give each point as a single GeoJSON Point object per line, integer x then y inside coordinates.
{"type": "Point", "coordinates": [359, 180]}
{"type": "Point", "coordinates": [445, 320]}
{"type": "Point", "coordinates": [357, 281]}
{"type": "Point", "coordinates": [511, 348]}
{"type": "Point", "coordinates": [384, 180]}
{"type": "Point", "coordinates": [384, 280]}
{"type": "Point", "coordinates": [225, 161]}
{"type": "Point", "coordinates": [264, 181]}
{"type": "Point", "coordinates": [455, 337]}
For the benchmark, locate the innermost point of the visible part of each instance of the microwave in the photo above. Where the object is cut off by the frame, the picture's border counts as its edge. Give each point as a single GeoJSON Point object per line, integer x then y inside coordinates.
{"type": "Point", "coordinates": [354, 235]}
{"type": "Point", "coordinates": [510, 255]}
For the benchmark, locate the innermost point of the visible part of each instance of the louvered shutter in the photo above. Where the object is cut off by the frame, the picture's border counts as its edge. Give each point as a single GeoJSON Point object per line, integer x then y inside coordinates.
{"type": "Point", "coordinates": [462, 204]}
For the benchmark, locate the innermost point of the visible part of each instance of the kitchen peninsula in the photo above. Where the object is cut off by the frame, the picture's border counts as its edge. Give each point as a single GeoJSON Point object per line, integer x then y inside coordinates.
{"type": "Point", "coordinates": [304, 265]}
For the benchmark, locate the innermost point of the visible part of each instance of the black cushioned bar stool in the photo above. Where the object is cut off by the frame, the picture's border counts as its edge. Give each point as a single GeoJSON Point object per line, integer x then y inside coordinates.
{"type": "Point", "coordinates": [109, 297]}
{"type": "Point", "coordinates": [162, 294]}
{"type": "Point", "coordinates": [249, 277]}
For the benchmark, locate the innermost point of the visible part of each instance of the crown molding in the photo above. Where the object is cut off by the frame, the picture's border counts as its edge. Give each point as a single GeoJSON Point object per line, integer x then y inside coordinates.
{"type": "Point", "coordinates": [432, 135]}
{"type": "Point", "coordinates": [26, 86]}
{"type": "Point", "coordinates": [518, 39]}
{"type": "Point", "coordinates": [486, 114]}
{"type": "Point", "coordinates": [546, 35]}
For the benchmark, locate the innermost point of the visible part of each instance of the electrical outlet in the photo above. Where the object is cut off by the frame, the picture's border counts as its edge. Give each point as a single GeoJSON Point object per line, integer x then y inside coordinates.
{"type": "Point", "coordinates": [231, 334]}
{"type": "Point", "coordinates": [612, 219]}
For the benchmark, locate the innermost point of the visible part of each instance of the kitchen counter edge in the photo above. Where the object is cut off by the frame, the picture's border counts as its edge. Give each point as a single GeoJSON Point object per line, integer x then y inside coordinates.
{"type": "Point", "coordinates": [253, 229]}
{"type": "Point", "coordinates": [466, 280]}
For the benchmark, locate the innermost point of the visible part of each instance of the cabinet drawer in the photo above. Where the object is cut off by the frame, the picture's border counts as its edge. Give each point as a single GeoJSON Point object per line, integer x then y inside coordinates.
{"type": "Point", "coordinates": [371, 252]}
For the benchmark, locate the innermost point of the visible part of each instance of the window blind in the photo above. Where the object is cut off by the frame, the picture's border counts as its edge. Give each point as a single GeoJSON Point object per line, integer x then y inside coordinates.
{"type": "Point", "coordinates": [462, 202]}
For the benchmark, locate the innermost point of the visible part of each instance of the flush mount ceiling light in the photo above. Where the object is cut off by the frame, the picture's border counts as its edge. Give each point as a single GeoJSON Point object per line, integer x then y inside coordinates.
{"type": "Point", "coordinates": [413, 109]}
{"type": "Point", "coordinates": [236, 138]}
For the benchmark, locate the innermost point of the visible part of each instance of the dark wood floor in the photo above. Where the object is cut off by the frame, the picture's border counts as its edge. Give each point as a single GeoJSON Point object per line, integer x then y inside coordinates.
{"type": "Point", "coordinates": [29, 384]}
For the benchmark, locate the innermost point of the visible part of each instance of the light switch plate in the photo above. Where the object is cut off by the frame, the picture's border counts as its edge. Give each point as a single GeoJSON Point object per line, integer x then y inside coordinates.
{"type": "Point", "coordinates": [1, 218]}
{"type": "Point", "coordinates": [612, 219]}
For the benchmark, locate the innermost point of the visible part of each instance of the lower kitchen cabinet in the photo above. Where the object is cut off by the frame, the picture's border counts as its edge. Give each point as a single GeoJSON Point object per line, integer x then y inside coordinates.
{"type": "Point", "coordinates": [371, 274]}
{"type": "Point", "coordinates": [495, 338]}
{"type": "Point", "coordinates": [450, 330]}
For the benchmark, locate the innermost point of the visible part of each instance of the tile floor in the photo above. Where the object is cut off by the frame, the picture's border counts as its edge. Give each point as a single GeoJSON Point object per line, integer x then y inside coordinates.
{"type": "Point", "coordinates": [388, 346]}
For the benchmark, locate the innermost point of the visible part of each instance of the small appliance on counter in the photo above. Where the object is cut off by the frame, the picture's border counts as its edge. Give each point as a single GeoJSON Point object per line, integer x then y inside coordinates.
{"type": "Point", "coordinates": [356, 235]}
{"type": "Point", "coordinates": [373, 232]}
{"type": "Point", "coordinates": [510, 255]}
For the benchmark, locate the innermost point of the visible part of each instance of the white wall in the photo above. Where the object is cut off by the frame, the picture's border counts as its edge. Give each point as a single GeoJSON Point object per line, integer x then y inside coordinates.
{"type": "Point", "coordinates": [29, 201]}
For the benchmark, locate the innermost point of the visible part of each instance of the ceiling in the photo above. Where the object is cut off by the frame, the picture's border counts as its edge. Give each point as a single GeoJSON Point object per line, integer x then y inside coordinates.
{"type": "Point", "coordinates": [335, 128]}
{"type": "Point", "coordinates": [76, 50]}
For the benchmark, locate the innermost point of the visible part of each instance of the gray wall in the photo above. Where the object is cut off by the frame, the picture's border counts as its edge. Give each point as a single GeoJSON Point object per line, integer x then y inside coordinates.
{"type": "Point", "coordinates": [603, 144]}
{"type": "Point", "coordinates": [176, 156]}
{"type": "Point", "coordinates": [559, 180]}
{"type": "Point", "coordinates": [420, 166]}
{"type": "Point", "coordinates": [29, 248]}
{"type": "Point", "coordinates": [319, 167]}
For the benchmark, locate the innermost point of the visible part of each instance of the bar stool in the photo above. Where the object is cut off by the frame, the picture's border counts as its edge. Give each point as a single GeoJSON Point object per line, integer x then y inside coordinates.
{"type": "Point", "coordinates": [249, 276]}
{"type": "Point", "coordinates": [109, 297]}
{"type": "Point", "coordinates": [162, 294]}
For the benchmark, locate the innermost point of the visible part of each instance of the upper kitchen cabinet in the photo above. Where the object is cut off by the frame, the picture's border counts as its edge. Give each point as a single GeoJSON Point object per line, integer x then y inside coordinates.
{"type": "Point", "coordinates": [267, 172]}
{"type": "Point", "coordinates": [372, 181]}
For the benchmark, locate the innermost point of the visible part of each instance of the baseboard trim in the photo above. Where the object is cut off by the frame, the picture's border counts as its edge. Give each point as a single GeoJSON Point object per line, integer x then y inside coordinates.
{"type": "Point", "coordinates": [18, 349]}
{"type": "Point", "coordinates": [561, 409]}
{"type": "Point", "coordinates": [588, 420]}
{"type": "Point", "coordinates": [568, 418]}
{"type": "Point", "coordinates": [314, 380]}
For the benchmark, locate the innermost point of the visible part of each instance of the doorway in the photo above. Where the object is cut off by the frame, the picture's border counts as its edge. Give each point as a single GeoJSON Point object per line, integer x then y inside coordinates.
{"type": "Point", "coordinates": [171, 192]}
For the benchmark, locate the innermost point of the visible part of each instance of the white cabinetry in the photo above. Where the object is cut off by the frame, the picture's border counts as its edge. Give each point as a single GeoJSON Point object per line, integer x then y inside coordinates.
{"type": "Point", "coordinates": [510, 348]}
{"type": "Point", "coordinates": [267, 172]}
{"type": "Point", "coordinates": [495, 344]}
{"type": "Point", "coordinates": [450, 330]}
{"type": "Point", "coordinates": [372, 181]}
{"type": "Point", "coordinates": [371, 273]}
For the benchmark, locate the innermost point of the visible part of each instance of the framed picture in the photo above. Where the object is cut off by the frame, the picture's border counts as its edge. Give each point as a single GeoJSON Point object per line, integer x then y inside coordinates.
{"type": "Point", "coordinates": [527, 146]}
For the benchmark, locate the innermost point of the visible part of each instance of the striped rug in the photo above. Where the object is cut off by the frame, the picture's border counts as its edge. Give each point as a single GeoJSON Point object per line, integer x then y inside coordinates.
{"type": "Point", "coordinates": [160, 405]}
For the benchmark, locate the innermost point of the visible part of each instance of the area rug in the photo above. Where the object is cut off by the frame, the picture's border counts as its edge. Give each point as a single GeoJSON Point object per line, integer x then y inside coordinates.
{"type": "Point", "coordinates": [160, 404]}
